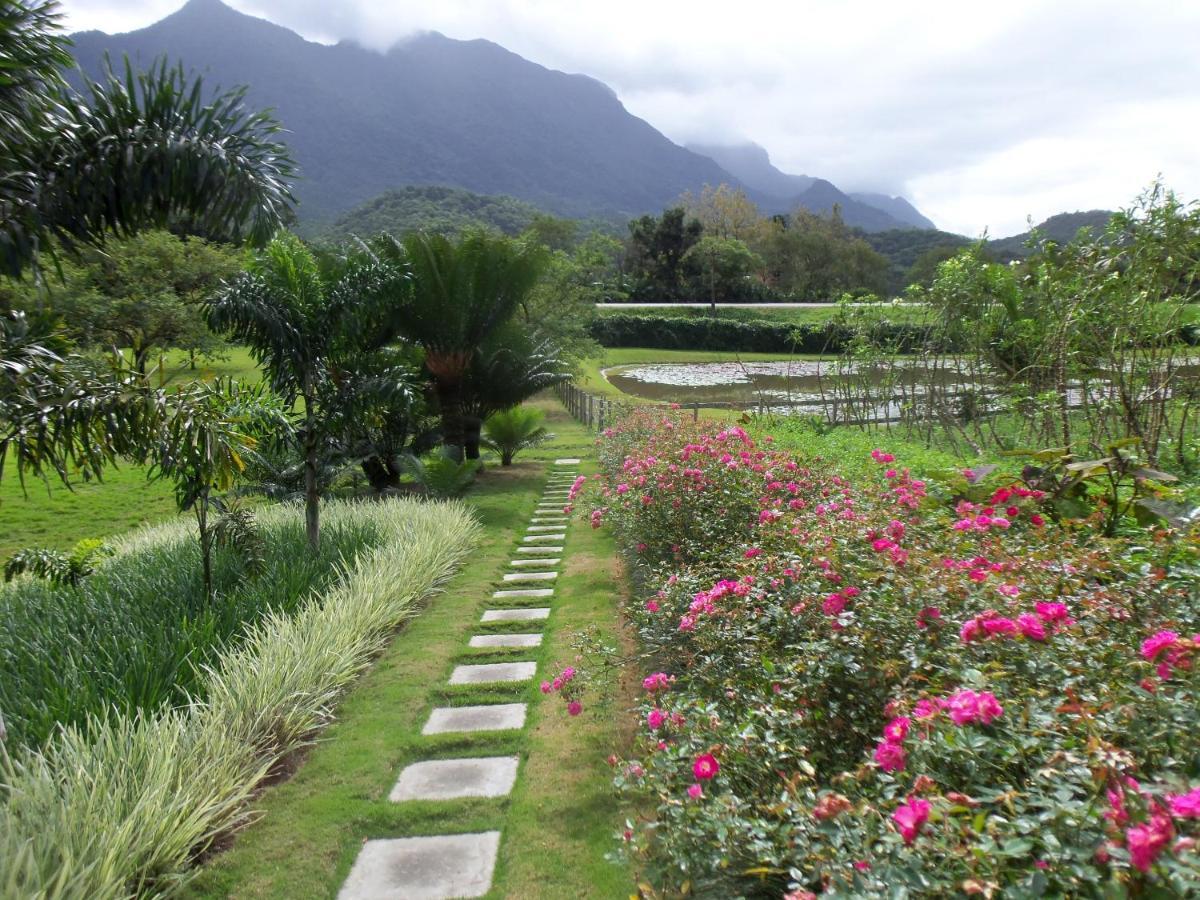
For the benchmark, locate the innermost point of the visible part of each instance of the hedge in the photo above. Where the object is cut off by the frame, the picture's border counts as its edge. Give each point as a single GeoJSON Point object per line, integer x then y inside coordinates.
{"type": "Point", "coordinates": [673, 333]}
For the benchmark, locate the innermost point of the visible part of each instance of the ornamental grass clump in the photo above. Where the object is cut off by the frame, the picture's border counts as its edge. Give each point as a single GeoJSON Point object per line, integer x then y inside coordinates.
{"type": "Point", "coordinates": [858, 694]}
{"type": "Point", "coordinates": [123, 805]}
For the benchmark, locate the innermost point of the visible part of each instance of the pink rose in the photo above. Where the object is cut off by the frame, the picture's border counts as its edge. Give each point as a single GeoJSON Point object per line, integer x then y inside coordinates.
{"type": "Point", "coordinates": [910, 816]}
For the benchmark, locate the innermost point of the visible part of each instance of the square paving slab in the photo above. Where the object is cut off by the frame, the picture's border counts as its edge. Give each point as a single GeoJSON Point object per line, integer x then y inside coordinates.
{"type": "Point", "coordinates": [446, 779]}
{"type": "Point", "coordinates": [530, 614]}
{"type": "Point", "coordinates": [558, 549]}
{"type": "Point", "coordinates": [481, 674]}
{"type": "Point", "coordinates": [423, 868]}
{"type": "Point", "coordinates": [506, 640]}
{"type": "Point", "coordinates": [531, 576]}
{"type": "Point", "coordinates": [548, 561]}
{"type": "Point", "coordinates": [525, 592]}
{"type": "Point", "coordinates": [491, 717]}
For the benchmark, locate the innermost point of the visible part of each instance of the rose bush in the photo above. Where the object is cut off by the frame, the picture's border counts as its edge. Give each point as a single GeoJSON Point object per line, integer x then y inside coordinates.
{"type": "Point", "coordinates": [871, 685]}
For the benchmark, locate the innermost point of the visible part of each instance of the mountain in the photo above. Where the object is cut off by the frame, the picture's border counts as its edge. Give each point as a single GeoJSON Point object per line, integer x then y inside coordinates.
{"type": "Point", "coordinates": [896, 207]}
{"type": "Point", "coordinates": [431, 110]}
{"type": "Point", "coordinates": [1061, 229]}
{"type": "Point", "coordinates": [444, 210]}
{"type": "Point", "coordinates": [751, 164]}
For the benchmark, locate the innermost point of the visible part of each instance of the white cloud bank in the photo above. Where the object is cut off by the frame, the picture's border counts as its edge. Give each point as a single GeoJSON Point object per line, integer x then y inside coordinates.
{"type": "Point", "coordinates": [981, 114]}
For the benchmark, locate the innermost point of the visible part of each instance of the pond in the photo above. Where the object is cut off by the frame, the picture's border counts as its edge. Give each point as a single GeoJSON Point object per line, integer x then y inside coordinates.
{"type": "Point", "coordinates": [820, 386]}
{"type": "Point", "coordinates": [805, 385]}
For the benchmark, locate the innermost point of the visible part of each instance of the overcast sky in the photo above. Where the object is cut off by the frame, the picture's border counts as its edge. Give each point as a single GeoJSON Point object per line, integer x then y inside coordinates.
{"type": "Point", "coordinates": [980, 114]}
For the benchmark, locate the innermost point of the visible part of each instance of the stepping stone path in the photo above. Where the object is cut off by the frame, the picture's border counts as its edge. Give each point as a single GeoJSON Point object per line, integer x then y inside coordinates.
{"type": "Point", "coordinates": [443, 867]}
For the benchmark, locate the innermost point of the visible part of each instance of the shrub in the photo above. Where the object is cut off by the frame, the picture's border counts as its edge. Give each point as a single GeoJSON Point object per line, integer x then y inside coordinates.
{"type": "Point", "coordinates": [441, 476]}
{"type": "Point", "coordinates": [716, 333]}
{"type": "Point", "coordinates": [874, 686]}
{"type": "Point", "coordinates": [123, 806]}
{"type": "Point", "coordinates": [138, 631]}
{"type": "Point", "coordinates": [513, 430]}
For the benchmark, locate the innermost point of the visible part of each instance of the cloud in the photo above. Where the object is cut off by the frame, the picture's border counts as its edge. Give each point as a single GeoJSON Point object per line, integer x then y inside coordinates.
{"type": "Point", "coordinates": [981, 118]}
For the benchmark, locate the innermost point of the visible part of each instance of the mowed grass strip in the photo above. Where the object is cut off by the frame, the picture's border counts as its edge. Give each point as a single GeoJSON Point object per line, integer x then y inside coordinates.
{"type": "Point", "coordinates": [558, 823]}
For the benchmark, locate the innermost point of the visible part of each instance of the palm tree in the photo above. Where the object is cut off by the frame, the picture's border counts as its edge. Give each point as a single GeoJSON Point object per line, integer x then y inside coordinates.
{"type": "Point", "coordinates": [306, 320]}
{"type": "Point", "coordinates": [144, 150]}
{"type": "Point", "coordinates": [510, 431]}
{"type": "Point", "coordinates": [460, 294]}
{"type": "Point", "coordinates": [506, 371]}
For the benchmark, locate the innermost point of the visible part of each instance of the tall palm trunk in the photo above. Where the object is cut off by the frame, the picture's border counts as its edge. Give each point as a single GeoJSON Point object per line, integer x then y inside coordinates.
{"type": "Point", "coordinates": [449, 396]}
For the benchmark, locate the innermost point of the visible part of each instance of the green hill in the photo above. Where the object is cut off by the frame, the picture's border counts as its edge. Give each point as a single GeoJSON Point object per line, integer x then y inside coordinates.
{"type": "Point", "coordinates": [435, 208]}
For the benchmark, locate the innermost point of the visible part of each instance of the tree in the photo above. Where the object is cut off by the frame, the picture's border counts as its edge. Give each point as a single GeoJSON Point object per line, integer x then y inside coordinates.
{"type": "Point", "coordinates": [925, 266]}
{"type": "Point", "coordinates": [719, 268]}
{"type": "Point", "coordinates": [142, 294]}
{"type": "Point", "coordinates": [459, 295]}
{"type": "Point", "coordinates": [126, 153]}
{"type": "Point", "coordinates": [812, 257]}
{"type": "Point", "coordinates": [656, 249]}
{"type": "Point", "coordinates": [306, 319]}
{"type": "Point", "coordinates": [726, 212]}
{"type": "Point", "coordinates": [202, 447]}
{"type": "Point", "coordinates": [507, 370]}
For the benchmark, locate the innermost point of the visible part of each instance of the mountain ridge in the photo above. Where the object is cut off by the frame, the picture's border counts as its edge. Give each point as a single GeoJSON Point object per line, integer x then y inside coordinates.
{"type": "Point", "coordinates": [431, 110]}
{"type": "Point", "coordinates": [436, 110]}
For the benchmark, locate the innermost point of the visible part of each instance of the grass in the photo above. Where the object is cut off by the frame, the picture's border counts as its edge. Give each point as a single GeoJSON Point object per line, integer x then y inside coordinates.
{"type": "Point", "coordinates": [557, 824]}
{"type": "Point", "coordinates": [50, 515]}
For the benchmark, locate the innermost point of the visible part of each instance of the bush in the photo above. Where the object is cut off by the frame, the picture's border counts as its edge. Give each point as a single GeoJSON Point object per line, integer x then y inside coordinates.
{"type": "Point", "coordinates": [513, 430]}
{"type": "Point", "coordinates": [716, 333]}
{"type": "Point", "coordinates": [123, 806]}
{"type": "Point", "coordinates": [138, 632]}
{"type": "Point", "coordinates": [876, 686]}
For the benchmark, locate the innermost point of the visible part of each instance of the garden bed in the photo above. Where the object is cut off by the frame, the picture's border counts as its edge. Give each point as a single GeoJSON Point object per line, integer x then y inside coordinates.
{"type": "Point", "coordinates": [123, 803]}
{"type": "Point", "coordinates": [865, 682]}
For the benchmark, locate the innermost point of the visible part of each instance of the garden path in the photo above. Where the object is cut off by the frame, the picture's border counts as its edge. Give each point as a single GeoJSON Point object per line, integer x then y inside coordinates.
{"type": "Point", "coordinates": [442, 867]}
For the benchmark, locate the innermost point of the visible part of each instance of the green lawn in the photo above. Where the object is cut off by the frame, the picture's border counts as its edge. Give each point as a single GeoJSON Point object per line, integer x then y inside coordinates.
{"type": "Point", "coordinates": [53, 516]}
{"type": "Point", "coordinates": [558, 823]}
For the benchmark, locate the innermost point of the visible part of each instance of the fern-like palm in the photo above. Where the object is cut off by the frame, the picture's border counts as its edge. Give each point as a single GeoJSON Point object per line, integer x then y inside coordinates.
{"type": "Point", "coordinates": [460, 294]}
{"type": "Point", "coordinates": [512, 430]}
{"type": "Point", "coordinates": [506, 371]}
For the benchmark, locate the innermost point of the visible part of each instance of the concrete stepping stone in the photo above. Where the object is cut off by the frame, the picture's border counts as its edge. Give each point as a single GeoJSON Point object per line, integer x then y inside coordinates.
{"type": "Point", "coordinates": [549, 561]}
{"type": "Point", "coordinates": [490, 717]}
{"type": "Point", "coordinates": [549, 520]}
{"type": "Point", "coordinates": [549, 509]}
{"type": "Point", "coordinates": [558, 549]}
{"type": "Point", "coordinates": [525, 592]}
{"type": "Point", "coordinates": [528, 614]}
{"type": "Point", "coordinates": [482, 641]}
{"type": "Point", "coordinates": [541, 538]}
{"type": "Point", "coordinates": [546, 528]}
{"type": "Point", "coordinates": [448, 779]}
{"type": "Point", "coordinates": [482, 673]}
{"type": "Point", "coordinates": [566, 462]}
{"type": "Point", "coordinates": [440, 867]}
{"type": "Point", "coordinates": [531, 576]}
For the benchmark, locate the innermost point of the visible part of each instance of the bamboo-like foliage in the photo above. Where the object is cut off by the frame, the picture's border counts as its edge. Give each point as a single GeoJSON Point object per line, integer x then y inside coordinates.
{"type": "Point", "coordinates": [123, 807]}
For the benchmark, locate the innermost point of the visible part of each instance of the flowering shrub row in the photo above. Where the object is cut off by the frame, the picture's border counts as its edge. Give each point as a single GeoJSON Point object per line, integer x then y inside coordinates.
{"type": "Point", "coordinates": [874, 687]}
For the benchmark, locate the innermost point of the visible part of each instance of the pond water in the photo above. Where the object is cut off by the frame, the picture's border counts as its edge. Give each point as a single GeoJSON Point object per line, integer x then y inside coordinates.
{"type": "Point", "coordinates": [751, 383]}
